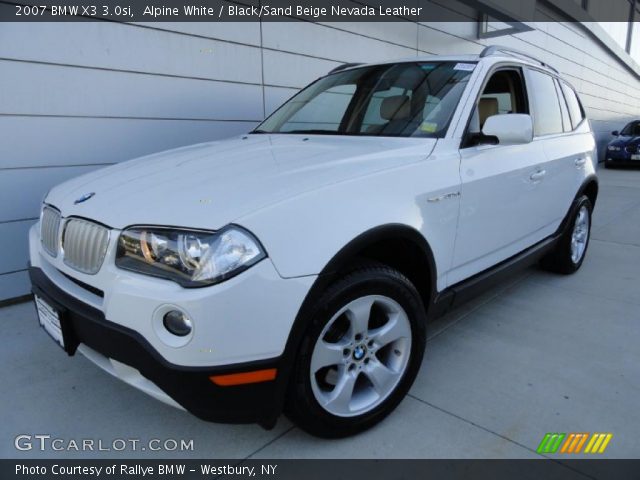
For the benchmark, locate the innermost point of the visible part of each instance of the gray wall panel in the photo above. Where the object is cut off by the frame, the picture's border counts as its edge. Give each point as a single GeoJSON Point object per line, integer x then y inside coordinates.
{"type": "Point", "coordinates": [109, 45]}
{"type": "Point", "coordinates": [249, 34]}
{"type": "Point", "coordinates": [331, 43]}
{"type": "Point", "coordinates": [398, 33]}
{"type": "Point", "coordinates": [36, 89]}
{"type": "Point", "coordinates": [291, 70]}
{"type": "Point", "coordinates": [14, 284]}
{"type": "Point", "coordinates": [59, 141]}
{"type": "Point", "coordinates": [74, 97]}
{"type": "Point", "coordinates": [13, 245]}
{"type": "Point", "coordinates": [24, 188]}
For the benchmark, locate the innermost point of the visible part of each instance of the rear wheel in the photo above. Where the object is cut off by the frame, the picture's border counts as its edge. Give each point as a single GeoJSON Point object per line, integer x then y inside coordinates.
{"type": "Point", "coordinates": [572, 246]}
{"type": "Point", "coordinates": [360, 354]}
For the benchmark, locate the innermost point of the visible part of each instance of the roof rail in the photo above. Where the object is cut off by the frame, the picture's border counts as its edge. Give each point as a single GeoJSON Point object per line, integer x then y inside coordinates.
{"type": "Point", "coordinates": [344, 66]}
{"type": "Point", "coordinates": [493, 49]}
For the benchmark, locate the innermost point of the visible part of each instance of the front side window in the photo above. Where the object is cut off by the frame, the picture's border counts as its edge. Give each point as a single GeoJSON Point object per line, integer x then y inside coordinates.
{"type": "Point", "coordinates": [503, 94]}
{"type": "Point", "coordinates": [547, 116]}
{"type": "Point", "coordinates": [401, 100]}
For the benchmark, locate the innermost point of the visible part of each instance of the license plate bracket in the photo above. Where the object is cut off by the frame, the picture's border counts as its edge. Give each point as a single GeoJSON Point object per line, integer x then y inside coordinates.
{"type": "Point", "coordinates": [53, 319]}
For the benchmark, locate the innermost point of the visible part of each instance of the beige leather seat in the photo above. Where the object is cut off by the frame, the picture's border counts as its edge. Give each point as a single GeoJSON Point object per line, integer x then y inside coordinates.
{"type": "Point", "coordinates": [397, 107]}
{"type": "Point", "coordinates": [394, 108]}
{"type": "Point", "coordinates": [486, 108]}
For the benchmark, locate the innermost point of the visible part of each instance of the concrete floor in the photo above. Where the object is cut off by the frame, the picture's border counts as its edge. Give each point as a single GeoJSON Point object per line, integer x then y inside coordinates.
{"type": "Point", "coordinates": [541, 353]}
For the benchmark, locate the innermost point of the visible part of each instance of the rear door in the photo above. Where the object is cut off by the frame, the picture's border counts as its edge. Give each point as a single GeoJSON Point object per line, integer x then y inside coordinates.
{"type": "Point", "coordinates": [566, 150]}
{"type": "Point", "coordinates": [579, 144]}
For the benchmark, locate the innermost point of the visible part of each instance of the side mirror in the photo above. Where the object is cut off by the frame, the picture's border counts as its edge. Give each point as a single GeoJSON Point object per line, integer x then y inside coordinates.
{"type": "Point", "coordinates": [509, 128]}
{"type": "Point", "coordinates": [615, 133]}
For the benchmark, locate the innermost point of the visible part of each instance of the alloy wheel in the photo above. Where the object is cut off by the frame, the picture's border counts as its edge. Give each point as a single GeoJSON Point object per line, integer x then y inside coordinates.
{"type": "Point", "coordinates": [361, 355]}
{"type": "Point", "coordinates": [580, 235]}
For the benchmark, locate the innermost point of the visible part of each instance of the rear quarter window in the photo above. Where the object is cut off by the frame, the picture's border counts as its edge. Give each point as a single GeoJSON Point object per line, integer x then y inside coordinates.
{"type": "Point", "coordinates": [575, 109]}
{"type": "Point", "coordinates": [566, 120]}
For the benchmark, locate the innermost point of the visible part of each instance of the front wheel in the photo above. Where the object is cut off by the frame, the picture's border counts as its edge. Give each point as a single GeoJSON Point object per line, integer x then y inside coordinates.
{"type": "Point", "coordinates": [360, 354]}
{"type": "Point", "coordinates": [570, 251]}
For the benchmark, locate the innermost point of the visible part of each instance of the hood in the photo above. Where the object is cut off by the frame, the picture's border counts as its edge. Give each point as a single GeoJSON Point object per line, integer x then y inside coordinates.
{"type": "Point", "coordinates": [210, 185]}
{"type": "Point", "coordinates": [623, 141]}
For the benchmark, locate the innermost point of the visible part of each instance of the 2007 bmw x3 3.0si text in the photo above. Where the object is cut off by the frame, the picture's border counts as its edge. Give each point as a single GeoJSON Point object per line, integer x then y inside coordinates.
{"type": "Point", "coordinates": [293, 269]}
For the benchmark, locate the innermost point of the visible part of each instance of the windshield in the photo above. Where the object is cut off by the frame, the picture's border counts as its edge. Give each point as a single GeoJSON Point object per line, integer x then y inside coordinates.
{"type": "Point", "coordinates": [632, 129]}
{"type": "Point", "coordinates": [401, 100]}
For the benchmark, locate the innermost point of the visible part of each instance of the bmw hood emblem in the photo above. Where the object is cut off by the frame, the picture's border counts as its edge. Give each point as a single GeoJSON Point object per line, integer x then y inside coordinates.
{"type": "Point", "coordinates": [84, 198]}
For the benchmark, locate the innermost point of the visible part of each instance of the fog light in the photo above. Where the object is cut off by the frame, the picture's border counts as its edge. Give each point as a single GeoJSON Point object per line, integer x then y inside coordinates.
{"type": "Point", "coordinates": [177, 323]}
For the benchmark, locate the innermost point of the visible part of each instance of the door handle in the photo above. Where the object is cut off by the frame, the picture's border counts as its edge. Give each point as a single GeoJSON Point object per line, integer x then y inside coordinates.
{"type": "Point", "coordinates": [537, 175]}
{"type": "Point", "coordinates": [579, 162]}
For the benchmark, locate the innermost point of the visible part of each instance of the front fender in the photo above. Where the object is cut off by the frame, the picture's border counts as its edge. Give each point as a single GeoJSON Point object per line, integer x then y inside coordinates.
{"type": "Point", "coordinates": [303, 234]}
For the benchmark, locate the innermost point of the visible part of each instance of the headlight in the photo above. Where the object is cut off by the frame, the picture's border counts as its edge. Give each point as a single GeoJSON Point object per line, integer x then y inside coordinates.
{"type": "Point", "coordinates": [613, 148]}
{"type": "Point", "coordinates": [192, 258]}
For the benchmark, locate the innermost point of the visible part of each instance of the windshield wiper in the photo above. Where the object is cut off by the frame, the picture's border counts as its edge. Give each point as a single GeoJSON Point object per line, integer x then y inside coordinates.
{"type": "Point", "coordinates": [309, 131]}
{"type": "Point", "coordinates": [316, 132]}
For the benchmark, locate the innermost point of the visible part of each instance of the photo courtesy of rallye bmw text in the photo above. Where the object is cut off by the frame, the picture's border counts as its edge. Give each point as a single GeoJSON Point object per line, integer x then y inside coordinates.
{"type": "Point", "coordinates": [320, 239]}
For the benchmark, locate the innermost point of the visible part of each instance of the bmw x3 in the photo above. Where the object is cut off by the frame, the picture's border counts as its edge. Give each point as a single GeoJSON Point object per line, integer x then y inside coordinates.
{"type": "Point", "coordinates": [295, 268]}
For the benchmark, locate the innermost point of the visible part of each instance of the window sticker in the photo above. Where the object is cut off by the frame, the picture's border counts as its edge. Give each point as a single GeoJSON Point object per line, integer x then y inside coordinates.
{"type": "Point", "coordinates": [429, 127]}
{"type": "Point", "coordinates": [467, 67]}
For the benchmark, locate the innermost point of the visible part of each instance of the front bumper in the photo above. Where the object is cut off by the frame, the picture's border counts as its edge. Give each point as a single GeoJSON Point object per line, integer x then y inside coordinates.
{"type": "Point", "coordinates": [190, 387]}
{"type": "Point", "coordinates": [620, 157]}
{"type": "Point", "coordinates": [622, 162]}
{"type": "Point", "coordinates": [244, 319]}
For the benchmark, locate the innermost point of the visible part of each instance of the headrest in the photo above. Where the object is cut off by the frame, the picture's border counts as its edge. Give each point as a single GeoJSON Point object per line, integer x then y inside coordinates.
{"type": "Point", "coordinates": [486, 107]}
{"type": "Point", "coordinates": [396, 107]}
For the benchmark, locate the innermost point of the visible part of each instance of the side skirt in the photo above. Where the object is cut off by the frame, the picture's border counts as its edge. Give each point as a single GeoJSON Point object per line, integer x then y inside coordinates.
{"type": "Point", "coordinates": [472, 287]}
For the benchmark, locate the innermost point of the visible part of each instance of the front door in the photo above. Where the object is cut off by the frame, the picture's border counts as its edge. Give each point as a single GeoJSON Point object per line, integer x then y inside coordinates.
{"type": "Point", "coordinates": [502, 191]}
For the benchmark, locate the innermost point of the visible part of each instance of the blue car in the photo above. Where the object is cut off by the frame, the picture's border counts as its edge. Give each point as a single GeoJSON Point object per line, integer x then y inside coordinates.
{"type": "Point", "coordinates": [625, 148]}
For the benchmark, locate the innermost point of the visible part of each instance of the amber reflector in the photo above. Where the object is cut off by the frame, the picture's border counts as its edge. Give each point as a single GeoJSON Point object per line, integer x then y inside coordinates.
{"type": "Point", "coordinates": [256, 376]}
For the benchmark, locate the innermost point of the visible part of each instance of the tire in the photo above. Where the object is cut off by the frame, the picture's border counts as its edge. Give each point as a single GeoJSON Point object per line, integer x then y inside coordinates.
{"type": "Point", "coordinates": [360, 354]}
{"type": "Point", "coordinates": [568, 255]}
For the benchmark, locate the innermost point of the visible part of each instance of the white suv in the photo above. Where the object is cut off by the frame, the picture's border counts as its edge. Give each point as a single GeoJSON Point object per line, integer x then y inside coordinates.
{"type": "Point", "coordinates": [294, 268]}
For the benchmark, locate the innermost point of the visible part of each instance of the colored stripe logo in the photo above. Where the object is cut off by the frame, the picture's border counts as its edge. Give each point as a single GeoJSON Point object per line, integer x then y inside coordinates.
{"type": "Point", "coordinates": [551, 442]}
{"type": "Point", "coordinates": [574, 443]}
{"type": "Point", "coordinates": [598, 443]}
